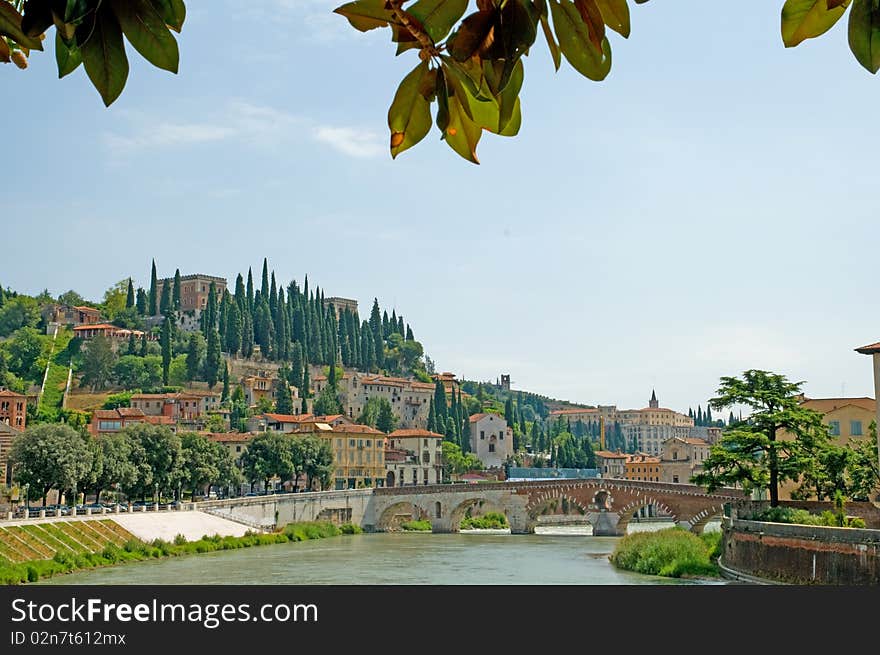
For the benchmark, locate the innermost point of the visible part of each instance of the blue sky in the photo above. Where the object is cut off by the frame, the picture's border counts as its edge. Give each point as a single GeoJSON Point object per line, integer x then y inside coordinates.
{"type": "Point", "coordinates": [708, 208]}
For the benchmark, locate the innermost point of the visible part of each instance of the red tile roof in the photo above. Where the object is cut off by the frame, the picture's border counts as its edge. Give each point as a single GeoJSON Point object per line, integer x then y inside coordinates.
{"type": "Point", "coordinates": [227, 437]}
{"type": "Point", "coordinates": [560, 412]}
{"type": "Point", "coordinates": [869, 349]}
{"type": "Point", "coordinates": [476, 417]}
{"type": "Point", "coordinates": [357, 429]}
{"type": "Point", "coordinates": [160, 420]}
{"type": "Point", "coordinates": [6, 393]}
{"type": "Point", "coordinates": [607, 454]}
{"type": "Point", "coordinates": [290, 418]}
{"type": "Point", "coordinates": [414, 432]}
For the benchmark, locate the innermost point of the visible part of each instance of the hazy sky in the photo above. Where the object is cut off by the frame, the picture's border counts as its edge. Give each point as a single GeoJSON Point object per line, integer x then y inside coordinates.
{"type": "Point", "coordinates": [710, 207]}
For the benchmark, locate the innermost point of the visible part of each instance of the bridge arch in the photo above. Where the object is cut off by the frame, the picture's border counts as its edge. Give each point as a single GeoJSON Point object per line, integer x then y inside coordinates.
{"type": "Point", "coordinates": [484, 504]}
{"type": "Point", "coordinates": [554, 502]}
{"type": "Point", "coordinates": [399, 512]}
{"type": "Point", "coordinates": [700, 519]}
{"type": "Point", "coordinates": [626, 512]}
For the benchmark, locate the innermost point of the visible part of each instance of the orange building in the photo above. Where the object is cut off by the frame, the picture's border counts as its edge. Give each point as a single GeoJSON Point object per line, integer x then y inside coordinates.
{"type": "Point", "coordinates": [641, 466]}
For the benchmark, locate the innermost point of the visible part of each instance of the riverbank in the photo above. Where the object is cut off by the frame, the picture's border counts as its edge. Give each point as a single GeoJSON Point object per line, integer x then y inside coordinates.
{"type": "Point", "coordinates": [670, 552]}
{"type": "Point", "coordinates": [70, 559]}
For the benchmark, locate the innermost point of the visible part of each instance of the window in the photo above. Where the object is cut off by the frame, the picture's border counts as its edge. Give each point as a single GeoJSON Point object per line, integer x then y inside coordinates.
{"type": "Point", "coordinates": [339, 444]}
{"type": "Point", "coordinates": [351, 443]}
{"type": "Point", "coordinates": [834, 427]}
{"type": "Point", "coordinates": [482, 435]}
{"type": "Point", "coordinates": [855, 428]}
{"type": "Point", "coordinates": [491, 447]}
{"type": "Point", "coordinates": [369, 444]}
{"type": "Point", "coordinates": [675, 478]}
{"type": "Point", "coordinates": [501, 436]}
{"type": "Point", "coordinates": [238, 449]}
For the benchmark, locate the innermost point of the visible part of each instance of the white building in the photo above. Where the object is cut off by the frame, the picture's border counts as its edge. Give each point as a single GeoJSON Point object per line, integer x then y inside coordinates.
{"type": "Point", "coordinates": [491, 439]}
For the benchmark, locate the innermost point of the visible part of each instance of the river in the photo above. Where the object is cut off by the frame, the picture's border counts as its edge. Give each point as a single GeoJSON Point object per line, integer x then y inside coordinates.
{"type": "Point", "coordinates": [554, 556]}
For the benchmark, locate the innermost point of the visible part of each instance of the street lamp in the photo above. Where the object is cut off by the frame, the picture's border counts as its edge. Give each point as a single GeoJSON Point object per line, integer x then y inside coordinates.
{"type": "Point", "coordinates": [156, 493]}
{"type": "Point", "coordinates": [27, 498]}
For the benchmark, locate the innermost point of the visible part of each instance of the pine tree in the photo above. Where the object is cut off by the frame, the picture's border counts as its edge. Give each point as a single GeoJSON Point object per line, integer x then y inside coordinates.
{"type": "Point", "coordinates": [129, 298]}
{"type": "Point", "coordinates": [225, 395]}
{"type": "Point", "coordinates": [153, 299]}
{"type": "Point", "coordinates": [140, 302]}
{"type": "Point", "coordinates": [165, 341]}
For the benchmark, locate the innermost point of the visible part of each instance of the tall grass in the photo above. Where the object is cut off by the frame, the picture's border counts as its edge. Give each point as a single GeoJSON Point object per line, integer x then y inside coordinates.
{"type": "Point", "coordinates": [672, 552]}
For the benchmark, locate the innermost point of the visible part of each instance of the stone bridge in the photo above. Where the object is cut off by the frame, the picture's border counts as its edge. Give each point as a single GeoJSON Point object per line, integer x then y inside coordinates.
{"type": "Point", "coordinates": [607, 504]}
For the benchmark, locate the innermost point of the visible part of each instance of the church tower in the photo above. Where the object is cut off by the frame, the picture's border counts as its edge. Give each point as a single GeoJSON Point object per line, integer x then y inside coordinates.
{"type": "Point", "coordinates": [653, 403]}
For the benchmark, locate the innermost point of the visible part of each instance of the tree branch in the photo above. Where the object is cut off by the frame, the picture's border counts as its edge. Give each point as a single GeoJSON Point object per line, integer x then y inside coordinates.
{"type": "Point", "coordinates": [396, 8]}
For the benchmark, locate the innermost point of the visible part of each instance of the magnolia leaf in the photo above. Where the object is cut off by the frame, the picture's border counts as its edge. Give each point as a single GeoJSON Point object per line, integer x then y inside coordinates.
{"type": "Point", "coordinates": [806, 19]}
{"type": "Point", "coordinates": [365, 15]}
{"type": "Point", "coordinates": [10, 25]}
{"type": "Point", "coordinates": [75, 11]}
{"type": "Point", "coordinates": [4, 51]}
{"type": "Point", "coordinates": [146, 30]}
{"type": "Point", "coordinates": [409, 116]}
{"type": "Point", "coordinates": [37, 17]}
{"type": "Point", "coordinates": [515, 33]}
{"type": "Point", "coordinates": [67, 57]}
{"type": "Point", "coordinates": [615, 13]}
{"type": "Point", "coordinates": [438, 16]}
{"type": "Point", "coordinates": [470, 74]}
{"type": "Point", "coordinates": [574, 41]}
{"type": "Point", "coordinates": [442, 92]}
{"type": "Point", "coordinates": [173, 12]}
{"type": "Point", "coordinates": [513, 125]}
{"type": "Point", "coordinates": [592, 18]}
{"type": "Point", "coordinates": [103, 54]}
{"type": "Point", "coordinates": [473, 33]}
{"type": "Point", "coordinates": [864, 33]}
{"type": "Point", "coordinates": [462, 134]}
{"type": "Point", "coordinates": [508, 101]}
{"type": "Point", "coordinates": [66, 30]}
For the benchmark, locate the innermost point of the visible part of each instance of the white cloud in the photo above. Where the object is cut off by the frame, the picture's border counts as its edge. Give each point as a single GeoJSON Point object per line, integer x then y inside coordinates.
{"type": "Point", "coordinates": [349, 141]}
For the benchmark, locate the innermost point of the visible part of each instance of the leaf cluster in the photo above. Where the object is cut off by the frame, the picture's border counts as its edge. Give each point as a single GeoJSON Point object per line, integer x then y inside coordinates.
{"type": "Point", "coordinates": [90, 32]}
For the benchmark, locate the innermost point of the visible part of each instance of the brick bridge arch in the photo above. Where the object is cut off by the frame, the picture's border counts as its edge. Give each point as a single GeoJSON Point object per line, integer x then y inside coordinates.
{"type": "Point", "coordinates": [608, 504]}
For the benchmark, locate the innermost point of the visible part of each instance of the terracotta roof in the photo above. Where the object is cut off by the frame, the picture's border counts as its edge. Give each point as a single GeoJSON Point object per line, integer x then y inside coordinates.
{"type": "Point", "coordinates": [476, 417]}
{"type": "Point", "coordinates": [870, 349]}
{"type": "Point", "coordinates": [159, 420]}
{"type": "Point", "coordinates": [558, 412]}
{"type": "Point", "coordinates": [695, 441]}
{"type": "Point", "coordinates": [289, 418]}
{"type": "Point", "coordinates": [357, 429]}
{"type": "Point", "coordinates": [6, 393]}
{"type": "Point", "coordinates": [152, 396]}
{"type": "Point", "coordinates": [414, 432]}
{"type": "Point", "coordinates": [607, 454]}
{"type": "Point", "coordinates": [421, 385]}
{"type": "Point", "coordinates": [329, 418]}
{"type": "Point", "coordinates": [97, 326]}
{"type": "Point", "coordinates": [120, 412]}
{"type": "Point", "coordinates": [826, 405]}
{"type": "Point", "coordinates": [226, 437]}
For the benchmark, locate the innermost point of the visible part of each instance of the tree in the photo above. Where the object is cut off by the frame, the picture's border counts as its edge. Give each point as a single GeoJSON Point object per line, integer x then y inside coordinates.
{"type": "Point", "coordinates": [114, 300]}
{"type": "Point", "coordinates": [386, 421]}
{"type": "Point", "coordinates": [327, 403]}
{"type": "Point", "coordinates": [268, 455]}
{"type": "Point", "coordinates": [370, 413]}
{"type": "Point", "coordinates": [50, 456]}
{"type": "Point", "coordinates": [165, 307]}
{"type": "Point", "coordinates": [140, 302]}
{"type": "Point", "coordinates": [118, 463]}
{"type": "Point", "coordinates": [224, 397]}
{"type": "Point", "coordinates": [163, 455]}
{"type": "Point", "coordinates": [175, 295]}
{"type": "Point", "coordinates": [316, 456]}
{"type": "Point", "coordinates": [213, 358]}
{"type": "Point", "coordinates": [283, 397]}
{"type": "Point", "coordinates": [25, 349]}
{"type": "Point", "coordinates": [195, 352]}
{"type": "Point", "coordinates": [165, 342]}
{"type": "Point", "coordinates": [201, 463]}
{"type": "Point", "coordinates": [751, 454]}
{"type": "Point", "coordinates": [129, 297]}
{"type": "Point", "coordinates": [97, 363]}
{"type": "Point", "coordinates": [153, 300]}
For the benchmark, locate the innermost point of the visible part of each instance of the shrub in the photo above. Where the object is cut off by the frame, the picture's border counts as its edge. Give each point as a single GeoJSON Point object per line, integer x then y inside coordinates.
{"type": "Point", "coordinates": [416, 526]}
{"type": "Point", "coordinates": [672, 552]}
{"type": "Point", "coordinates": [179, 540]}
{"type": "Point", "coordinates": [350, 528]}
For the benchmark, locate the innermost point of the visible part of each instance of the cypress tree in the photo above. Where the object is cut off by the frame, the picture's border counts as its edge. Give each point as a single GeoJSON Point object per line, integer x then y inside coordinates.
{"type": "Point", "coordinates": [296, 365]}
{"type": "Point", "coordinates": [535, 436]}
{"type": "Point", "coordinates": [376, 329]}
{"type": "Point", "coordinates": [409, 334]}
{"type": "Point", "coordinates": [213, 358]}
{"type": "Point", "coordinates": [331, 377]}
{"type": "Point", "coordinates": [165, 299]}
{"type": "Point", "coordinates": [305, 392]}
{"type": "Point", "coordinates": [440, 403]}
{"type": "Point", "coordinates": [283, 397]}
{"type": "Point", "coordinates": [233, 329]}
{"type": "Point", "coordinates": [140, 302]}
{"type": "Point", "coordinates": [193, 356]}
{"type": "Point", "coordinates": [225, 396]}
{"type": "Point", "coordinates": [132, 345]}
{"type": "Point", "coordinates": [450, 430]}
{"type": "Point", "coordinates": [175, 295]}
{"type": "Point", "coordinates": [730, 419]}
{"type": "Point", "coordinates": [129, 298]}
{"type": "Point", "coordinates": [264, 286]}
{"type": "Point", "coordinates": [368, 357]}
{"type": "Point", "coordinates": [508, 411]}
{"type": "Point", "coordinates": [466, 435]}
{"type": "Point", "coordinates": [247, 335]}
{"type": "Point", "coordinates": [386, 328]}
{"type": "Point", "coordinates": [699, 415]}
{"type": "Point", "coordinates": [143, 352]}
{"type": "Point", "coordinates": [153, 299]}
{"type": "Point", "coordinates": [432, 416]}
{"type": "Point", "coordinates": [392, 325]}
{"type": "Point", "coordinates": [250, 290]}
{"type": "Point", "coordinates": [165, 340]}
{"type": "Point", "coordinates": [708, 417]}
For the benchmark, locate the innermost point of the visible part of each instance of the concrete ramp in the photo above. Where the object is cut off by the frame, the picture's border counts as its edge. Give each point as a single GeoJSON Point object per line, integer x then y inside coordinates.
{"type": "Point", "coordinates": [167, 525]}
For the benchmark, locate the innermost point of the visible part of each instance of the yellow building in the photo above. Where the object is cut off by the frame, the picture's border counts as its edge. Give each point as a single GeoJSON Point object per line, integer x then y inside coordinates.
{"type": "Point", "coordinates": [641, 466]}
{"type": "Point", "coordinates": [358, 452]}
{"type": "Point", "coordinates": [846, 418]}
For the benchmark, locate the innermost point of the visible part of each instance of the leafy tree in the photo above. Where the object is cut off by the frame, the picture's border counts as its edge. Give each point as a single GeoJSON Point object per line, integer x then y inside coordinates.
{"type": "Point", "coordinates": [165, 342]}
{"type": "Point", "coordinates": [19, 312]}
{"type": "Point", "coordinates": [316, 456]}
{"type": "Point", "coordinates": [327, 403]}
{"type": "Point", "coordinates": [177, 371]}
{"type": "Point", "coordinates": [163, 455]}
{"type": "Point", "coordinates": [50, 456]}
{"type": "Point", "coordinates": [25, 350]}
{"type": "Point", "coordinates": [457, 462]}
{"type": "Point", "coordinates": [118, 463]}
{"type": "Point", "coordinates": [133, 372]}
{"type": "Point", "coordinates": [370, 413]}
{"type": "Point", "coordinates": [201, 461]}
{"type": "Point", "coordinates": [751, 454]}
{"type": "Point", "coordinates": [97, 363]}
{"type": "Point", "coordinates": [268, 455]}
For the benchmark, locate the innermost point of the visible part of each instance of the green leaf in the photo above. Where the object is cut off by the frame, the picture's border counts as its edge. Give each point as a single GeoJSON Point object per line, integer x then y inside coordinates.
{"type": "Point", "coordinates": [365, 15]}
{"type": "Point", "coordinates": [37, 17]}
{"type": "Point", "coordinates": [574, 41]}
{"type": "Point", "coordinates": [10, 25]}
{"type": "Point", "coordinates": [67, 57]}
{"type": "Point", "coordinates": [806, 19]}
{"type": "Point", "coordinates": [615, 13]}
{"type": "Point", "coordinates": [508, 101]}
{"type": "Point", "coordinates": [438, 16]}
{"type": "Point", "coordinates": [470, 74]}
{"type": "Point", "coordinates": [146, 30]}
{"type": "Point", "coordinates": [513, 125]}
{"type": "Point", "coordinates": [173, 12]}
{"type": "Point", "coordinates": [515, 33]}
{"type": "Point", "coordinates": [864, 33]}
{"type": "Point", "coordinates": [103, 54]}
{"type": "Point", "coordinates": [462, 134]}
{"type": "Point", "coordinates": [592, 18]}
{"type": "Point", "coordinates": [442, 120]}
{"type": "Point", "coordinates": [75, 11]}
{"type": "Point", "coordinates": [409, 116]}
{"type": "Point", "coordinates": [551, 43]}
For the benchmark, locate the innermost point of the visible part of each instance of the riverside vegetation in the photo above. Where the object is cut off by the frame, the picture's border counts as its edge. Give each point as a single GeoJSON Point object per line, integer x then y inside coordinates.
{"type": "Point", "coordinates": [69, 558]}
{"type": "Point", "coordinates": [671, 552]}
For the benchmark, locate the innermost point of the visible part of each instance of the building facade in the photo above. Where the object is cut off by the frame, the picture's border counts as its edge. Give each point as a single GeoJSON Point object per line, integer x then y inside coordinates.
{"type": "Point", "coordinates": [194, 290]}
{"type": "Point", "coordinates": [341, 304]}
{"type": "Point", "coordinates": [71, 315]}
{"type": "Point", "coordinates": [415, 457]}
{"type": "Point", "coordinates": [409, 399]}
{"type": "Point", "coordinates": [682, 458]}
{"type": "Point", "coordinates": [491, 439]}
{"type": "Point", "coordinates": [611, 465]}
{"type": "Point", "coordinates": [640, 466]}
